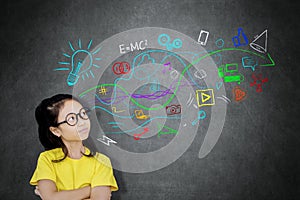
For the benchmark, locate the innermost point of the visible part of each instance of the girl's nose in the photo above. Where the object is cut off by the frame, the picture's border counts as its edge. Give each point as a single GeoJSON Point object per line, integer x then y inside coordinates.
{"type": "Point", "coordinates": [81, 121]}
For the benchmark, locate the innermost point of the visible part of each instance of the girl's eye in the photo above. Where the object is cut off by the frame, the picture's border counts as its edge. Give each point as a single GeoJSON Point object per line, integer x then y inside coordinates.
{"type": "Point", "coordinates": [71, 119]}
{"type": "Point", "coordinates": [84, 113]}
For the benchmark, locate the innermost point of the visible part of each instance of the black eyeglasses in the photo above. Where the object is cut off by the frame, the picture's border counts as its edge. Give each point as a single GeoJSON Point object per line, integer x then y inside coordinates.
{"type": "Point", "coordinates": [72, 118]}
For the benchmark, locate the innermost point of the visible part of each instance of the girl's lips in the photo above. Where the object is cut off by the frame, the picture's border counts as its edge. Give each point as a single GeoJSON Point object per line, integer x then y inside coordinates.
{"type": "Point", "coordinates": [83, 130]}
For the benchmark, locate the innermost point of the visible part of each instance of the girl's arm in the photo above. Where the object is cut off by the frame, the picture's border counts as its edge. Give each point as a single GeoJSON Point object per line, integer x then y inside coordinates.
{"type": "Point", "coordinates": [48, 191]}
{"type": "Point", "coordinates": [101, 193]}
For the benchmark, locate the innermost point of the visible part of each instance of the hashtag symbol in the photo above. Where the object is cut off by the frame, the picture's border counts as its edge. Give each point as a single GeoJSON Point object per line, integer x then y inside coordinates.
{"type": "Point", "coordinates": [102, 90]}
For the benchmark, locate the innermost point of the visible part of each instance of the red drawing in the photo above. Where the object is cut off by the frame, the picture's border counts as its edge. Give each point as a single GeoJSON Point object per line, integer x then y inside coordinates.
{"type": "Point", "coordinates": [258, 80]}
{"type": "Point", "coordinates": [239, 94]}
{"type": "Point", "coordinates": [137, 136]}
{"type": "Point", "coordinates": [121, 68]}
{"type": "Point", "coordinates": [173, 109]}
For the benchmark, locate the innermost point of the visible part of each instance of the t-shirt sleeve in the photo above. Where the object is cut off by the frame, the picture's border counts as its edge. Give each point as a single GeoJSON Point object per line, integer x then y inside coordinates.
{"type": "Point", "coordinates": [44, 170]}
{"type": "Point", "coordinates": [103, 175]}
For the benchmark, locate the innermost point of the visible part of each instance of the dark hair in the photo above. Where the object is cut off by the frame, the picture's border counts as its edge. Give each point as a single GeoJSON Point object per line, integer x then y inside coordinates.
{"type": "Point", "coordinates": [46, 115]}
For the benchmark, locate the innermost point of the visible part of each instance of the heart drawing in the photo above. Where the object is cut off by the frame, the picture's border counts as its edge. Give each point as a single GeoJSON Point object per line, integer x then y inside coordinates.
{"type": "Point", "coordinates": [239, 94]}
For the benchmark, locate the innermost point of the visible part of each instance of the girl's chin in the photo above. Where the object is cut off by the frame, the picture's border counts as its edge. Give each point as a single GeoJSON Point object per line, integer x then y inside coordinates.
{"type": "Point", "coordinates": [83, 136]}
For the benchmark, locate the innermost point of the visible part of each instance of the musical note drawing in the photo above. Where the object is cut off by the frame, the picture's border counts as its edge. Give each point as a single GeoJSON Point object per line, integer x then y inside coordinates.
{"type": "Point", "coordinates": [114, 109]}
{"type": "Point", "coordinates": [102, 90]}
{"type": "Point", "coordinates": [137, 136]}
{"type": "Point", "coordinates": [167, 64]}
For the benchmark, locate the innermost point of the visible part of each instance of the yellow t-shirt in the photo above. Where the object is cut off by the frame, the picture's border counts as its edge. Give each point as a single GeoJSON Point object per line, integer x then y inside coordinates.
{"type": "Point", "coordinates": [71, 174]}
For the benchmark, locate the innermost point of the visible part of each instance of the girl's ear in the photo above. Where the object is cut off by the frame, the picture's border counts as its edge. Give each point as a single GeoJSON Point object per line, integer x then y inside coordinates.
{"type": "Point", "coordinates": [55, 131]}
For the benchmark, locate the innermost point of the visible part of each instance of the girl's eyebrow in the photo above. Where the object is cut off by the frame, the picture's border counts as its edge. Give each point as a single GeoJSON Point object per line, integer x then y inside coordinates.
{"type": "Point", "coordinates": [74, 112]}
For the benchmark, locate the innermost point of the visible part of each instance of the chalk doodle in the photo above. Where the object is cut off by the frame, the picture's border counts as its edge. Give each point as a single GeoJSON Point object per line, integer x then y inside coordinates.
{"type": "Point", "coordinates": [137, 136]}
{"type": "Point", "coordinates": [144, 83]}
{"type": "Point", "coordinates": [114, 109]}
{"type": "Point", "coordinates": [173, 109]}
{"type": "Point", "coordinates": [258, 81]}
{"type": "Point", "coordinates": [102, 90]}
{"type": "Point", "coordinates": [224, 98]}
{"type": "Point", "coordinates": [203, 36]}
{"type": "Point", "coordinates": [239, 94]}
{"type": "Point", "coordinates": [249, 62]}
{"type": "Point", "coordinates": [106, 140]}
{"type": "Point", "coordinates": [205, 97]}
{"type": "Point", "coordinates": [167, 64]}
{"type": "Point", "coordinates": [201, 74]}
{"type": "Point", "coordinates": [165, 40]}
{"type": "Point", "coordinates": [191, 99]}
{"type": "Point", "coordinates": [155, 85]}
{"type": "Point", "coordinates": [146, 58]}
{"type": "Point", "coordinates": [139, 114]}
{"type": "Point", "coordinates": [174, 74]}
{"type": "Point", "coordinates": [121, 68]}
{"type": "Point", "coordinates": [141, 45]}
{"type": "Point", "coordinates": [170, 131]}
{"type": "Point", "coordinates": [220, 43]}
{"type": "Point", "coordinates": [260, 42]}
{"type": "Point", "coordinates": [229, 73]}
{"type": "Point", "coordinates": [241, 39]}
{"type": "Point", "coordinates": [115, 124]}
{"type": "Point", "coordinates": [201, 116]}
{"type": "Point", "coordinates": [153, 96]}
{"type": "Point", "coordinates": [269, 64]}
{"type": "Point", "coordinates": [219, 85]}
{"type": "Point", "coordinates": [82, 63]}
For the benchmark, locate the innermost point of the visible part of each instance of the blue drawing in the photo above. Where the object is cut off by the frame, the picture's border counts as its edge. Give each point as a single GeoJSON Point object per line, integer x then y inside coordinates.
{"type": "Point", "coordinates": [220, 43]}
{"type": "Point", "coordinates": [148, 59]}
{"type": "Point", "coordinates": [141, 59]}
{"type": "Point", "coordinates": [241, 39]}
{"type": "Point", "coordinates": [115, 124]}
{"type": "Point", "coordinates": [201, 115]}
{"type": "Point", "coordinates": [177, 43]}
{"type": "Point", "coordinates": [155, 85]}
{"type": "Point", "coordinates": [249, 62]}
{"type": "Point", "coordinates": [145, 123]}
{"type": "Point", "coordinates": [165, 40]}
{"type": "Point", "coordinates": [217, 58]}
{"type": "Point", "coordinates": [78, 66]}
{"type": "Point", "coordinates": [219, 85]}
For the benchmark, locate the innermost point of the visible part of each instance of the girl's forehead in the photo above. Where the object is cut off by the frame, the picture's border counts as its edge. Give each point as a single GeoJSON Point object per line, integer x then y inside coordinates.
{"type": "Point", "coordinates": [70, 106]}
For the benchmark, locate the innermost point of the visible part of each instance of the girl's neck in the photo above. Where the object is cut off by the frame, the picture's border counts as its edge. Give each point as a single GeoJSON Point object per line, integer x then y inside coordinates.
{"type": "Point", "coordinates": [75, 149]}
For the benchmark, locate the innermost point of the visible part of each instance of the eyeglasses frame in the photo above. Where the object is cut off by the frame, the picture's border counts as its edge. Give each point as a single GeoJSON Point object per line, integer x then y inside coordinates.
{"type": "Point", "coordinates": [87, 110]}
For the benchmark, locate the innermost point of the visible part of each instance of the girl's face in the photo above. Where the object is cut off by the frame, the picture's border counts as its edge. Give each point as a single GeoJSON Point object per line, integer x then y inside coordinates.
{"type": "Point", "coordinates": [79, 131]}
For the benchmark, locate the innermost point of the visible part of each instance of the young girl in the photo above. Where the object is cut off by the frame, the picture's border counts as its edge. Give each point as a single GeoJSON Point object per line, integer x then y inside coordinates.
{"type": "Point", "coordinates": [67, 169]}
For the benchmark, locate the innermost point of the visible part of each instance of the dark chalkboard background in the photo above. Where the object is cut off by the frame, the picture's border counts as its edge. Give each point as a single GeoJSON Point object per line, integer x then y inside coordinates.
{"type": "Point", "coordinates": [257, 154]}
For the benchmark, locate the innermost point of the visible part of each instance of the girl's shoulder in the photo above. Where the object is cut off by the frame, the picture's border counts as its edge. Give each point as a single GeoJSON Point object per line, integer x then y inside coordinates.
{"type": "Point", "coordinates": [52, 154]}
{"type": "Point", "coordinates": [102, 159]}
